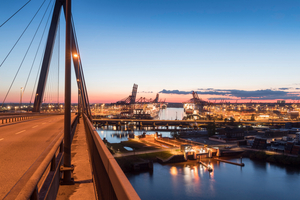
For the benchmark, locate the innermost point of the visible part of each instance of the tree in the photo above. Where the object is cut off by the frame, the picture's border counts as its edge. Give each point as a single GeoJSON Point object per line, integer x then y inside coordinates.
{"type": "Point", "coordinates": [211, 129]}
{"type": "Point", "coordinates": [231, 119]}
{"type": "Point", "coordinates": [175, 134]}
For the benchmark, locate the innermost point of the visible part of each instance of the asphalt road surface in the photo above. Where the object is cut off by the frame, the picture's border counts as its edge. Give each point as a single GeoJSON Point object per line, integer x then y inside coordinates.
{"type": "Point", "coordinates": [21, 144]}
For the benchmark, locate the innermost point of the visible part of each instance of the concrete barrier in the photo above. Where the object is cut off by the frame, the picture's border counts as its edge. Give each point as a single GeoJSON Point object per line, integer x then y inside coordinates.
{"type": "Point", "coordinates": [7, 120]}
{"type": "Point", "coordinates": [109, 180]}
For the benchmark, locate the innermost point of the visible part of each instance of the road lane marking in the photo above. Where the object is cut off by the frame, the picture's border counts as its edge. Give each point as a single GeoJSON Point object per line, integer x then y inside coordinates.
{"type": "Point", "coordinates": [20, 132]}
{"type": "Point", "coordinates": [1, 139]}
{"type": "Point", "coordinates": [35, 126]}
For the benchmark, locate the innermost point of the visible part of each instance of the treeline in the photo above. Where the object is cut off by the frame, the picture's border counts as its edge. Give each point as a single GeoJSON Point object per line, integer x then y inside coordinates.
{"type": "Point", "coordinates": [279, 159]}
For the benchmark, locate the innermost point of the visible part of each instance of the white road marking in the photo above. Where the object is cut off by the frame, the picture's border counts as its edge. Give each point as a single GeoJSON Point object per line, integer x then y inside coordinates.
{"type": "Point", "coordinates": [1, 139]}
{"type": "Point", "coordinates": [35, 126]}
{"type": "Point", "coordinates": [20, 132]}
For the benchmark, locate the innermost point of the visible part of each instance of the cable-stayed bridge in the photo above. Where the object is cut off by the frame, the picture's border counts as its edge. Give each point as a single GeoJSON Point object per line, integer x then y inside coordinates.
{"type": "Point", "coordinates": [35, 146]}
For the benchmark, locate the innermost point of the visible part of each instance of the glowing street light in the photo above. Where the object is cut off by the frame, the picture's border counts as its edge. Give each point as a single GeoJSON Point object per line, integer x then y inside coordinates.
{"type": "Point", "coordinates": [21, 95]}
{"type": "Point", "coordinates": [79, 84]}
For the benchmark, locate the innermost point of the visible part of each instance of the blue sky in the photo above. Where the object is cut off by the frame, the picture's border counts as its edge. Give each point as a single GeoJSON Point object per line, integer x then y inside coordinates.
{"type": "Point", "coordinates": [169, 45]}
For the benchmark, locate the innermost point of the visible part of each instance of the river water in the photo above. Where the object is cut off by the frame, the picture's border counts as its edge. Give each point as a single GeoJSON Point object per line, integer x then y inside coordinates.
{"type": "Point", "coordinates": [256, 180]}
{"type": "Point", "coordinates": [114, 136]}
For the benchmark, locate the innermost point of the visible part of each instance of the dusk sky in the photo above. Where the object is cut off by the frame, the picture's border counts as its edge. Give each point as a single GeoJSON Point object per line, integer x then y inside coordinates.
{"type": "Point", "coordinates": [239, 50]}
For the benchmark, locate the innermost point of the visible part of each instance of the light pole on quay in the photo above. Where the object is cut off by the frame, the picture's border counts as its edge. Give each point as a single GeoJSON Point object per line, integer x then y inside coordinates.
{"type": "Point", "coordinates": [21, 96]}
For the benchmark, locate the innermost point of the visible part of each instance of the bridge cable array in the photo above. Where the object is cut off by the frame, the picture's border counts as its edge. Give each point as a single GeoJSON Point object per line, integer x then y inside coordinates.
{"type": "Point", "coordinates": [21, 34]}
{"type": "Point", "coordinates": [27, 48]}
{"type": "Point", "coordinates": [40, 65]}
{"type": "Point", "coordinates": [38, 45]}
{"type": "Point", "coordinates": [83, 91]}
{"type": "Point", "coordinates": [14, 14]}
{"type": "Point", "coordinates": [58, 60]}
{"type": "Point", "coordinates": [50, 76]}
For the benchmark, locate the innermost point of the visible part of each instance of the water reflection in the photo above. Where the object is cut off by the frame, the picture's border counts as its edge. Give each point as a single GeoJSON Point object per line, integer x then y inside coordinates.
{"type": "Point", "coordinates": [260, 165]}
{"type": "Point", "coordinates": [192, 180]}
{"type": "Point", "coordinates": [118, 136]}
{"type": "Point", "coordinates": [173, 171]}
{"type": "Point", "coordinates": [113, 135]}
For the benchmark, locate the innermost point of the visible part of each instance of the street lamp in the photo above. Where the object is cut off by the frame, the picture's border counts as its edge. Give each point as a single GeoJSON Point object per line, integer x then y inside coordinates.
{"type": "Point", "coordinates": [76, 56]}
{"type": "Point", "coordinates": [21, 95]}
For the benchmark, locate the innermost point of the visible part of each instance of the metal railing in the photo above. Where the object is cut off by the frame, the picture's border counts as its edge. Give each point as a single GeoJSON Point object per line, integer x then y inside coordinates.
{"type": "Point", "coordinates": [7, 120]}
{"type": "Point", "coordinates": [109, 180]}
{"type": "Point", "coordinates": [41, 180]}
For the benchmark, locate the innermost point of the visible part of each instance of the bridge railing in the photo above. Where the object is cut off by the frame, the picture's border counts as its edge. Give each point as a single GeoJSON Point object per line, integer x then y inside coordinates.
{"type": "Point", "coordinates": [41, 180]}
{"type": "Point", "coordinates": [6, 120]}
{"type": "Point", "coordinates": [109, 180]}
{"type": "Point", "coordinates": [19, 117]}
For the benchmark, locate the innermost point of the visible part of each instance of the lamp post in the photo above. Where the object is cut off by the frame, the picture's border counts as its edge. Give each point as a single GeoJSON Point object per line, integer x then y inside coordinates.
{"type": "Point", "coordinates": [79, 84]}
{"type": "Point", "coordinates": [21, 95]}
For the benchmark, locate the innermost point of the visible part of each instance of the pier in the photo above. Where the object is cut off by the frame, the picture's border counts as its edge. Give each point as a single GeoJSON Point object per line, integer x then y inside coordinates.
{"type": "Point", "coordinates": [171, 125]}
{"type": "Point", "coordinates": [206, 165]}
{"type": "Point", "coordinates": [233, 163]}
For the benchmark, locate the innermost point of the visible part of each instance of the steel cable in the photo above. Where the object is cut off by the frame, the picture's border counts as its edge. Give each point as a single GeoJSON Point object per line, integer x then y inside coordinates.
{"type": "Point", "coordinates": [42, 54]}
{"type": "Point", "coordinates": [23, 57]}
{"type": "Point", "coordinates": [14, 14]}
{"type": "Point", "coordinates": [38, 46]}
{"type": "Point", "coordinates": [21, 35]}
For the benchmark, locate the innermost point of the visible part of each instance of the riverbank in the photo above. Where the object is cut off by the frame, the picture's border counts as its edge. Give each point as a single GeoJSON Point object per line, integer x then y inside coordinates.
{"type": "Point", "coordinates": [276, 159]}
{"type": "Point", "coordinates": [127, 162]}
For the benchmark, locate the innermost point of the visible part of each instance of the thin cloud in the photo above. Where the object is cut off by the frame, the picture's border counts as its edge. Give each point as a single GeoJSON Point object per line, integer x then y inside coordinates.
{"type": "Point", "coordinates": [212, 99]}
{"type": "Point", "coordinates": [164, 91]}
{"type": "Point", "coordinates": [266, 94]}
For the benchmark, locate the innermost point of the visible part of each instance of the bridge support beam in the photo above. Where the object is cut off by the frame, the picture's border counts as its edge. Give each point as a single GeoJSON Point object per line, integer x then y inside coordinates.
{"type": "Point", "coordinates": [67, 121]}
{"type": "Point", "coordinates": [47, 57]}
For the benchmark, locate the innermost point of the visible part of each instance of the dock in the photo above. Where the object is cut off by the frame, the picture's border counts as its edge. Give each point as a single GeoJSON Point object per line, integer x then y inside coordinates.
{"type": "Point", "coordinates": [234, 163]}
{"type": "Point", "coordinates": [168, 125]}
{"type": "Point", "coordinates": [207, 166]}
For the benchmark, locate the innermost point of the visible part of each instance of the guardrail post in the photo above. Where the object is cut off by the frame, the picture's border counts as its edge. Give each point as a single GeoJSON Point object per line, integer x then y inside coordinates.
{"type": "Point", "coordinates": [61, 147]}
{"type": "Point", "coordinates": [53, 163]}
{"type": "Point", "coordinates": [35, 194]}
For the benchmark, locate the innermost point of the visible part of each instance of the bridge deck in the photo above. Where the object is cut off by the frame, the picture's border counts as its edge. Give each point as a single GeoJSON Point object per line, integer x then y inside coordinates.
{"type": "Point", "coordinates": [21, 144]}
